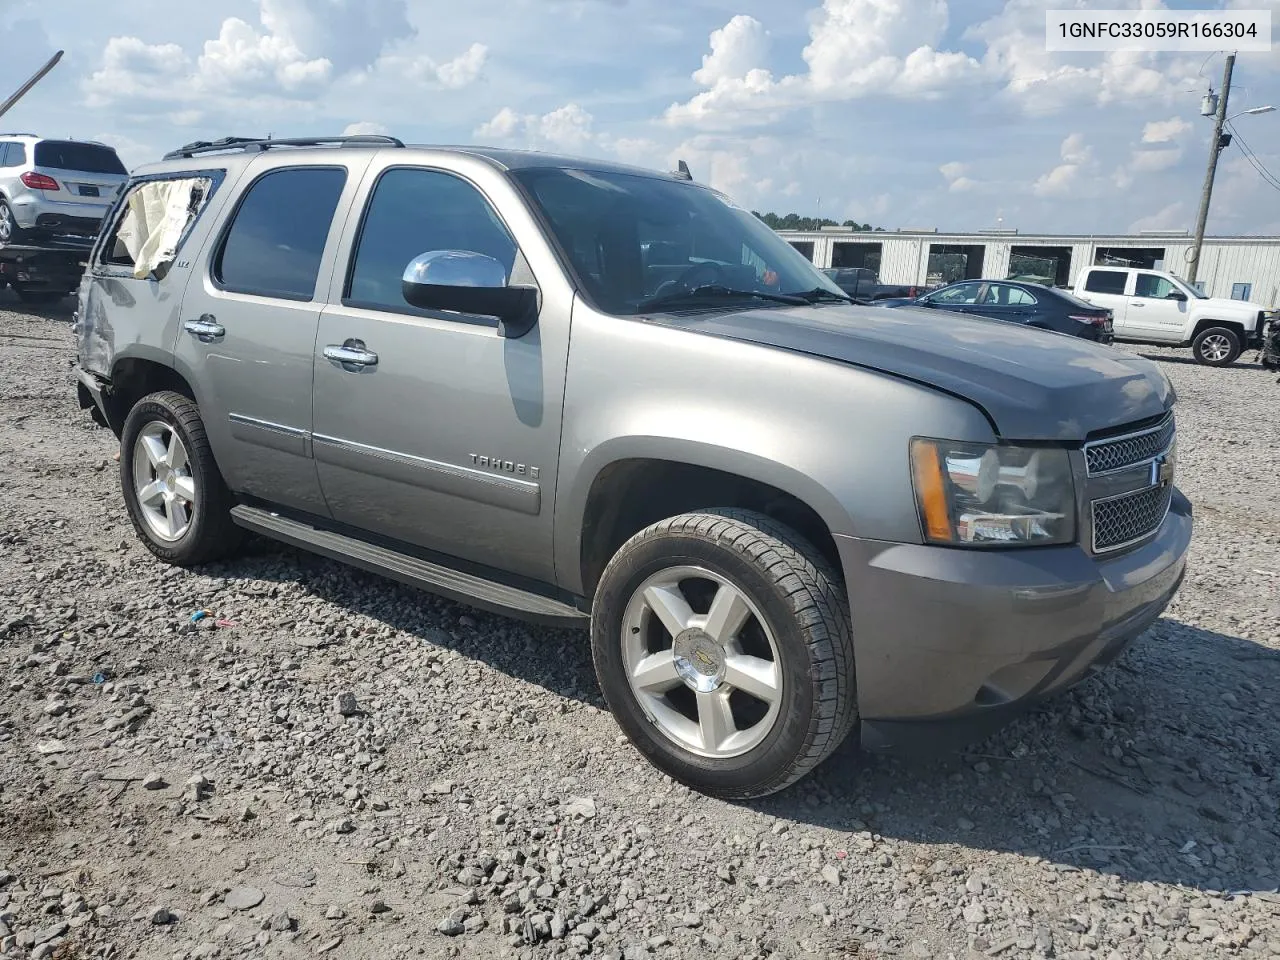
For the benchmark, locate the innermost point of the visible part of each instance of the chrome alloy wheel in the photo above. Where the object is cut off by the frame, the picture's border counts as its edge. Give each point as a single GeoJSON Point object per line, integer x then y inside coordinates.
{"type": "Point", "coordinates": [162, 480]}
{"type": "Point", "coordinates": [702, 662]}
{"type": "Point", "coordinates": [1215, 347]}
{"type": "Point", "coordinates": [6, 223]}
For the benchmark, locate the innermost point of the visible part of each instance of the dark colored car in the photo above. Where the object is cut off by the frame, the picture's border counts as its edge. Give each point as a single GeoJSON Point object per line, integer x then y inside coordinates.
{"type": "Point", "coordinates": [1029, 304]}
{"type": "Point", "coordinates": [863, 284]}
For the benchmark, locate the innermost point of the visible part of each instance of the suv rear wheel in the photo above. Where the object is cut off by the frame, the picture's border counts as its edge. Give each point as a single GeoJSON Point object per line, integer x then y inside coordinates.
{"type": "Point", "coordinates": [175, 495]}
{"type": "Point", "coordinates": [10, 232]}
{"type": "Point", "coordinates": [721, 641]}
{"type": "Point", "coordinates": [1216, 346]}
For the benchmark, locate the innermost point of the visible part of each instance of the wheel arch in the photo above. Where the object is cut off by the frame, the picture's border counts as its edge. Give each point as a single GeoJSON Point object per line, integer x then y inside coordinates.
{"type": "Point", "coordinates": [1207, 323]}
{"type": "Point", "coordinates": [132, 378]}
{"type": "Point", "coordinates": [638, 481]}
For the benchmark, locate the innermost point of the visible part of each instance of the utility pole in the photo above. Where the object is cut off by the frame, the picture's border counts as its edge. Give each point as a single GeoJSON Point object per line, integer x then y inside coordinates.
{"type": "Point", "coordinates": [1215, 148]}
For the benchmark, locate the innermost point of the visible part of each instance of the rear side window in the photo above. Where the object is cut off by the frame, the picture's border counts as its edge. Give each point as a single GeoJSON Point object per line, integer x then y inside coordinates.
{"type": "Point", "coordinates": [4, 155]}
{"type": "Point", "coordinates": [13, 154]}
{"type": "Point", "coordinates": [1106, 281]}
{"type": "Point", "coordinates": [81, 157]}
{"type": "Point", "coordinates": [277, 238]}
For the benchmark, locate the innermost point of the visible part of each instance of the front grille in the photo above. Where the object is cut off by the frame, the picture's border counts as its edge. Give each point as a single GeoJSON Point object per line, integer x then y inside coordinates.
{"type": "Point", "coordinates": [1128, 518]}
{"type": "Point", "coordinates": [1103, 456]}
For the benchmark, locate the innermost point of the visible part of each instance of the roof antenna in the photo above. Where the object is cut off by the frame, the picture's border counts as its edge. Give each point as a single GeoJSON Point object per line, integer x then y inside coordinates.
{"type": "Point", "coordinates": [682, 171]}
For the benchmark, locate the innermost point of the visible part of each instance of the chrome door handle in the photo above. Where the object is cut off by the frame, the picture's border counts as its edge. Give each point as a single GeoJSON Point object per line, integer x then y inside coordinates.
{"type": "Point", "coordinates": [206, 329]}
{"type": "Point", "coordinates": [351, 355]}
{"type": "Point", "coordinates": [1136, 303]}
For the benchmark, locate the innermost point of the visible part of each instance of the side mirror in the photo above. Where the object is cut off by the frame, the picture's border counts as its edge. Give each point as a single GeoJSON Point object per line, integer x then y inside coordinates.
{"type": "Point", "coordinates": [462, 281]}
{"type": "Point", "coordinates": [1175, 295]}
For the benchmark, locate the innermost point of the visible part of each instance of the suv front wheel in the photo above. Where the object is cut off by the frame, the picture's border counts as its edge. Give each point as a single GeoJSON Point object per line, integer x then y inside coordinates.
{"type": "Point", "coordinates": [722, 644]}
{"type": "Point", "coordinates": [173, 491]}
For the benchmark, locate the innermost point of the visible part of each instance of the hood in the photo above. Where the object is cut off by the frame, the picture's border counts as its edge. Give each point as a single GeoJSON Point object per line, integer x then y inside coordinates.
{"type": "Point", "coordinates": [1225, 307]}
{"type": "Point", "coordinates": [1032, 384]}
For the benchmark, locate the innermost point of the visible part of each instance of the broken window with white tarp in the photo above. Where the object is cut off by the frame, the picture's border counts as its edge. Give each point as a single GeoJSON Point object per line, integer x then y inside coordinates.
{"type": "Point", "coordinates": [157, 215]}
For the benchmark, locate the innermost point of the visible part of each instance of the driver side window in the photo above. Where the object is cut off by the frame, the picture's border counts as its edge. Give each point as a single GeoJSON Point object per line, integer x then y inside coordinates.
{"type": "Point", "coordinates": [960, 293]}
{"type": "Point", "coordinates": [411, 212]}
{"type": "Point", "coordinates": [1152, 287]}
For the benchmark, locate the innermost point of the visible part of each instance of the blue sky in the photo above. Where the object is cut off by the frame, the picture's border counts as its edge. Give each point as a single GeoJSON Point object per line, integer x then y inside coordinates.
{"type": "Point", "coordinates": [899, 112]}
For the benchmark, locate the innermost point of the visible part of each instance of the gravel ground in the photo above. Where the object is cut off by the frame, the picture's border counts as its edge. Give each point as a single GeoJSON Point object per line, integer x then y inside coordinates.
{"type": "Point", "coordinates": [332, 765]}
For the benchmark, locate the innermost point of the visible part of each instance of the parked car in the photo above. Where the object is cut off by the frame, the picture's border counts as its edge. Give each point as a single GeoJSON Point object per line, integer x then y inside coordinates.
{"type": "Point", "coordinates": [781, 515]}
{"type": "Point", "coordinates": [55, 188]}
{"type": "Point", "coordinates": [1151, 306]}
{"type": "Point", "coordinates": [1029, 304]}
{"type": "Point", "coordinates": [864, 284]}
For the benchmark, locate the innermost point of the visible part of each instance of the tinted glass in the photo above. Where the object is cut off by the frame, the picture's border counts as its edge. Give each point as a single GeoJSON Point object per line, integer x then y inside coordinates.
{"type": "Point", "coordinates": [1004, 295]}
{"type": "Point", "coordinates": [630, 237]}
{"type": "Point", "coordinates": [4, 155]}
{"type": "Point", "coordinates": [1149, 285]}
{"type": "Point", "coordinates": [82, 157]}
{"type": "Point", "coordinates": [1106, 281]}
{"type": "Point", "coordinates": [960, 293]}
{"type": "Point", "coordinates": [279, 232]}
{"type": "Point", "coordinates": [413, 212]}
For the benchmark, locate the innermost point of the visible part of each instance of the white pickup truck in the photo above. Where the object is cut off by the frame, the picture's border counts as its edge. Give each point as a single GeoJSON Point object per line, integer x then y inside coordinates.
{"type": "Point", "coordinates": [1150, 306]}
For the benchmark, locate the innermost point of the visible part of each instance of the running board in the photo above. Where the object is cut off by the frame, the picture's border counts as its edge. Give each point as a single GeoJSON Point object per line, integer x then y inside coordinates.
{"type": "Point", "coordinates": [423, 574]}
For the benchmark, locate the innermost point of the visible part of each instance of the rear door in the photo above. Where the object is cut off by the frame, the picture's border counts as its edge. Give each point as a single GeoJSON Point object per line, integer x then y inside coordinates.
{"type": "Point", "coordinates": [248, 324]}
{"type": "Point", "coordinates": [1152, 311]}
{"type": "Point", "coordinates": [1003, 301]}
{"type": "Point", "coordinates": [1108, 288]}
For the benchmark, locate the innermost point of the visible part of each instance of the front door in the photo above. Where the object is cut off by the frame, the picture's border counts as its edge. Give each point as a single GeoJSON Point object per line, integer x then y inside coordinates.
{"type": "Point", "coordinates": [444, 434]}
{"type": "Point", "coordinates": [958, 297]}
{"type": "Point", "coordinates": [1153, 309]}
{"type": "Point", "coordinates": [247, 329]}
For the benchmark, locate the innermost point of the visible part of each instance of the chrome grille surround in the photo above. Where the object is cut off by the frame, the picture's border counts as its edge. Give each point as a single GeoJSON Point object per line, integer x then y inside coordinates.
{"type": "Point", "coordinates": [1130, 485]}
{"type": "Point", "coordinates": [1117, 453]}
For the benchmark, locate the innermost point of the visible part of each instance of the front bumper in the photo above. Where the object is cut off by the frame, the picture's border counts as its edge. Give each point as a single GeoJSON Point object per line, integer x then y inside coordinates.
{"type": "Point", "coordinates": [951, 643]}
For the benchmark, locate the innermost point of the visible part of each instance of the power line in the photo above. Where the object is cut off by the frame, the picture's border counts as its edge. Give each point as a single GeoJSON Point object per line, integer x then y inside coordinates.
{"type": "Point", "coordinates": [1267, 176]}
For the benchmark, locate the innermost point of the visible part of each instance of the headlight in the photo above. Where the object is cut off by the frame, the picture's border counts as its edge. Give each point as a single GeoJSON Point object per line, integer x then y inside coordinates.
{"type": "Point", "coordinates": [980, 494]}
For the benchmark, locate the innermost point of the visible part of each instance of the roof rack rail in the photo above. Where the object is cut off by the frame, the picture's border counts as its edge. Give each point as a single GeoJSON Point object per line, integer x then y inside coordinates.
{"type": "Point", "coordinates": [16, 134]}
{"type": "Point", "coordinates": [255, 144]}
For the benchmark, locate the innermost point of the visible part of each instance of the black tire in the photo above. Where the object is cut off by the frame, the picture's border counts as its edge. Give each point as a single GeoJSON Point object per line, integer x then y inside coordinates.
{"type": "Point", "coordinates": [1216, 337]}
{"type": "Point", "coordinates": [10, 232]}
{"type": "Point", "coordinates": [211, 534]}
{"type": "Point", "coordinates": [800, 596]}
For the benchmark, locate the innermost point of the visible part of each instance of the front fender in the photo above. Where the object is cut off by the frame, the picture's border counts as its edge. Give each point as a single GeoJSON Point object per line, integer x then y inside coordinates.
{"type": "Point", "coordinates": [834, 436]}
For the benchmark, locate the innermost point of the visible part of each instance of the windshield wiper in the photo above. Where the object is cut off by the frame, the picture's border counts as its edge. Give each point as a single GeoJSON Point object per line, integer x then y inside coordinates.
{"type": "Point", "coordinates": [718, 292]}
{"type": "Point", "coordinates": [823, 295]}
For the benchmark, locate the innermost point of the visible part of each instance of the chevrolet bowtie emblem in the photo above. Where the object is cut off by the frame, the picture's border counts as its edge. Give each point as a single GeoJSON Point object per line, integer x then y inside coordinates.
{"type": "Point", "coordinates": [1161, 471]}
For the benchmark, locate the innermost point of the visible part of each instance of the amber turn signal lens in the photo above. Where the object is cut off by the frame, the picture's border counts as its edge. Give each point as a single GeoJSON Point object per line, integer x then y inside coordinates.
{"type": "Point", "coordinates": [931, 490]}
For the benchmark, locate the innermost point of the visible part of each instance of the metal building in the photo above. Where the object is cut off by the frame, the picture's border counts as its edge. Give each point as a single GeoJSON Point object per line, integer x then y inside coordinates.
{"type": "Point", "coordinates": [1246, 268]}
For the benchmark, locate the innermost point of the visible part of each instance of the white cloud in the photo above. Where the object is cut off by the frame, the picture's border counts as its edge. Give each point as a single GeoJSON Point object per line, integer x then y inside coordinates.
{"type": "Point", "coordinates": [365, 128]}
{"type": "Point", "coordinates": [1150, 161]}
{"type": "Point", "coordinates": [954, 173]}
{"type": "Point", "coordinates": [567, 127]}
{"type": "Point", "coordinates": [856, 48]}
{"type": "Point", "coordinates": [1165, 131]}
{"type": "Point", "coordinates": [1172, 217]}
{"type": "Point", "coordinates": [300, 49]}
{"type": "Point", "coordinates": [1059, 181]}
{"type": "Point", "coordinates": [1075, 150]}
{"type": "Point", "coordinates": [737, 48]}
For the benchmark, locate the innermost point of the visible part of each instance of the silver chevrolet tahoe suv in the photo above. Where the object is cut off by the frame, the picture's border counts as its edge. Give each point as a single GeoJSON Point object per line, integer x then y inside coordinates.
{"type": "Point", "coordinates": [588, 394]}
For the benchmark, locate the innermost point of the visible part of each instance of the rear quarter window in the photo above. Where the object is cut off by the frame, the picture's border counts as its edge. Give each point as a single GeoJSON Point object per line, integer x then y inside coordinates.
{"type": "Point", "coordinates": [1106, 281]}
{"type": "Point", "coordinates": [82, 157]}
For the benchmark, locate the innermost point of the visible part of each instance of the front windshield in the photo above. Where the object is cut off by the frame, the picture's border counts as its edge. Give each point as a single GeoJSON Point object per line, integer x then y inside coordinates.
{"type": "Point", "coordinates": [635, 240]}
{"type": "Point", "coordinates": [1186, 288]}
